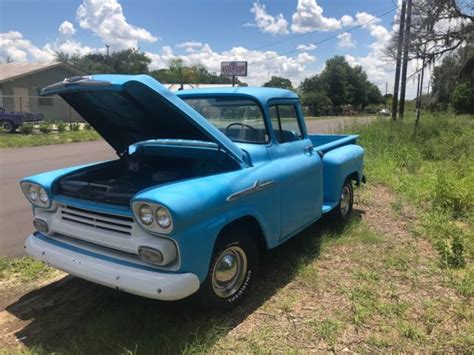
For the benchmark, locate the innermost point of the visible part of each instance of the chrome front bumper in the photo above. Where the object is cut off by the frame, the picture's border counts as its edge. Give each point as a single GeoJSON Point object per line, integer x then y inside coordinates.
{"type": "Point", "coordinates": [109, 271]}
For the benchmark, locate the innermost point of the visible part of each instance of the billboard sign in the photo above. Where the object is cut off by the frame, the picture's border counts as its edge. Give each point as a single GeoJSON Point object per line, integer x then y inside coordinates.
{"type": "Point", "coordinates": [236, 68]}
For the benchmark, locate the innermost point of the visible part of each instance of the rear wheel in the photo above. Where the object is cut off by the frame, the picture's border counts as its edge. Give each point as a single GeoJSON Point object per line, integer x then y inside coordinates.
{"type": "Point", "coordinates": [233, 270]}
{"type": "Point", "coordinates": [343, 211]}
{"type": "Point", "coordinates": [7, 126]}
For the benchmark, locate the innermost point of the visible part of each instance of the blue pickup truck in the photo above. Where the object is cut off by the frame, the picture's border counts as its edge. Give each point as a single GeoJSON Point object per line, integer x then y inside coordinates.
{"type": "Point", "coordinates": [205, 180]}
{"type": "Point", "coordinates": [10, 121]}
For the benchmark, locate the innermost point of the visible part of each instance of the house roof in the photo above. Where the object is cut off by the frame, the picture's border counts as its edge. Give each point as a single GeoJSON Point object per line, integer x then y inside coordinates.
{"type": "Point", "coordinates": [11, 71]}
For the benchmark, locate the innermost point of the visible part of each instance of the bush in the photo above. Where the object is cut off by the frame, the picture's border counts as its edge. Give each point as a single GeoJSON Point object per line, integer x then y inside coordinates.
{"type": "Point", "coordinates": [45, 128]}
{"type": "Point", "coordinates": [26, 128]}
{"type": "Point", "coordinates": [61, 126]}
{"type": "Point", "coordinates": [75, 127]}
{"type": "Point", "coordinates": [462, 99]}
{"type": "Point", "coordinates": [87, 127]}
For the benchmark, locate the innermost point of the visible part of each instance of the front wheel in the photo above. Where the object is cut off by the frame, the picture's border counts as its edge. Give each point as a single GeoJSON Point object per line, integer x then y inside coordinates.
{"type": "Point", "coordinates": [233, 270]}
{"type": "Point", "coordinates": [343, 210]}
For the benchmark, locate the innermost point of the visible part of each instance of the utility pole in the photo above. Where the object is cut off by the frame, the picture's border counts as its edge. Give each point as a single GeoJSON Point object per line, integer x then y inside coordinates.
{"type": "Point", "coordinates": [399, 56]}
{"type": "Point", "coordinates": [406, 59]}
{"type": "Point", "coordinates": [386, 91]}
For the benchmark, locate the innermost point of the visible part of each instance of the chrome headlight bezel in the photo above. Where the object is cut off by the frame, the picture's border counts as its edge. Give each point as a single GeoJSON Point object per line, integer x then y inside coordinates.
{"type": "Point", "coordinates": [154, 226]}
{"type": "Point", "coordinates": [41, 199]}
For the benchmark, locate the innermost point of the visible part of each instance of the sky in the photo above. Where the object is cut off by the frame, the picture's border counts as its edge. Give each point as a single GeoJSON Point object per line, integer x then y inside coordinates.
{"type": "Point", "coordinates": [289, 38]}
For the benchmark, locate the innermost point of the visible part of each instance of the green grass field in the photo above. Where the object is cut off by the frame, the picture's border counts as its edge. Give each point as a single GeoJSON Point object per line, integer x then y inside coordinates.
{"type": "Point", "coordinates": [398, 278]}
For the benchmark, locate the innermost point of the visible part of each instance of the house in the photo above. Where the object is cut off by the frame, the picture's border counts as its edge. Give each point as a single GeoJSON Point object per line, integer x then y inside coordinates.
{"type": "Point", "coordinates": [20, 84]}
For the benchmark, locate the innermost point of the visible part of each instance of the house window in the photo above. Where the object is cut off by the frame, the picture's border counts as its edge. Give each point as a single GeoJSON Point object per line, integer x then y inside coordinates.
{"type": "Point", "coordinates": [285, 123]}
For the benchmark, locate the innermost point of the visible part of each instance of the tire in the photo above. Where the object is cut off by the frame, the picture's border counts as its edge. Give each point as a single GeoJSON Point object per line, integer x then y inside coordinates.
{"type": "Point", "coordinates": [237, 251]}
{"type": "Point", "coordinates": [7, 126]}
{"type": "Point", "coordinates": [343, 211]}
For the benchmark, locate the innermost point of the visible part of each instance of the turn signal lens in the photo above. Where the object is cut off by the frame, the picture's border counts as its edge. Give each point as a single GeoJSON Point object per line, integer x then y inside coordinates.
{"type": "Point", "coordinates": [150, 255]}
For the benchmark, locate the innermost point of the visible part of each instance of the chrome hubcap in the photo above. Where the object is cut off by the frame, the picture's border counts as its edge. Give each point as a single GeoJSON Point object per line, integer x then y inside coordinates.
{"type": "Point", "coordinates": [345, 200]}
{"type": "Point", "coordinates": [229, 272]}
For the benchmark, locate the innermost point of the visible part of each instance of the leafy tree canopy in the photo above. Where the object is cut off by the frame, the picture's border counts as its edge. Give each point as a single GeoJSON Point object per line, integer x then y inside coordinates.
{"type": "Point", "coordinates": [279, 82]}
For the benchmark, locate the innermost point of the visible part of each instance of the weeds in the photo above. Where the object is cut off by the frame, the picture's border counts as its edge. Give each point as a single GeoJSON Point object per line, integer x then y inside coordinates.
{"type": "Point", "coordinates": [434, 171]}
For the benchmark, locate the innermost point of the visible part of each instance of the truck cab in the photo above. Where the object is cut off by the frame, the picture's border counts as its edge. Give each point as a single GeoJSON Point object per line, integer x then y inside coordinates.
{"type": "Point", "coordinates": [204, 181]}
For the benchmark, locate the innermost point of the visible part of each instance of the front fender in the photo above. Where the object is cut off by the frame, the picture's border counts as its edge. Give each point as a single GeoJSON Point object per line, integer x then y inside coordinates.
{"type": "Point", "coordinates": [200, 210]}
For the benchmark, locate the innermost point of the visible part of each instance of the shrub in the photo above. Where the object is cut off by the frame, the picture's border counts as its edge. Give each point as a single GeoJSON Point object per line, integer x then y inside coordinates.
{"type": "Point", "coordinates": [462, 99]}
{"type": "Point", "coordinates": [26, 128]}
{"type": "Point", "coordinates": [87, 127]}
{"type": "Point", "coordinates": [75, 127]}
{"type": "Point", "coordinates": [45, 128]}
{"type": "Point", "coordinates": [61, 126]}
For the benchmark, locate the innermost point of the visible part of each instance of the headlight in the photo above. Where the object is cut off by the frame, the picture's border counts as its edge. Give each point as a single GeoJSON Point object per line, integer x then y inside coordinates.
{"type": "Point", "coordinates": [163, 217]}
{"type": "Point", "coordinates": [153, 217]}
{"type": "Point", "coordinates": [36, 194]}
{"type": "Point", "coordinates": [145, 213]}
{"type": "Point", "coordinates": [33, 192]}
{"type": "Point", "coordinates": [43, 196]}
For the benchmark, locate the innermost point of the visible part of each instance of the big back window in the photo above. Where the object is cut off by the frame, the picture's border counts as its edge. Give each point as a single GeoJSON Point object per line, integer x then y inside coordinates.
{"type": "Point", "coordinates": [240, 119]}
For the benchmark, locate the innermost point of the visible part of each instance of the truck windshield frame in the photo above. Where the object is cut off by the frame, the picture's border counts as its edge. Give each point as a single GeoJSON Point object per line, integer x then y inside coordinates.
{"type": "Point", "coordinates": [239, 118]}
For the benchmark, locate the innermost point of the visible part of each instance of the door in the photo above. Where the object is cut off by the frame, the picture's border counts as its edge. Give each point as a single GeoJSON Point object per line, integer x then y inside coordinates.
{"type": "Point", "coordinates": [300, 169]}
{"type": "Point", "coordinates": [21, 98]}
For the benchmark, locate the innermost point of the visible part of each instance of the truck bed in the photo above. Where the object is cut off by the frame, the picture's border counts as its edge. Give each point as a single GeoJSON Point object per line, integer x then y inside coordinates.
{"type": "Point", "coordinates": [326, 142]}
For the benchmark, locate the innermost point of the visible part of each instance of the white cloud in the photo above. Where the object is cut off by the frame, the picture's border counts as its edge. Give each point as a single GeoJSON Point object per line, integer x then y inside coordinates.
{"type": "Point", "coordinates": [265, 65]}
{"type": "Point", "coordinates": [18, 49]}
{"type": "Point", "coordinates": [306, 47]}
{"type": "Point", "coordinates": [67, 29]}
{"type": "Point", "coordinates": [106, 20]}
{"type": "Point", "coordinates": [345, 40]}
{"type": "Point", "coordinates": [268, 23]}
{"type": "Point", "coordinates": [309, 17]}
{"type": "Point", "coordinates": [190, 46]}
{"type": "Point", "coordinates": [347, 20]}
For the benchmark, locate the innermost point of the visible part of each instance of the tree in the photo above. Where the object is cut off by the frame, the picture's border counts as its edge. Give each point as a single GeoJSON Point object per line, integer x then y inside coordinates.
{"type": "Point", "coordinates": [437, 27]}
{"type": "Point", "coordinates": [463, 99]}
{"type": "Point", "coordinates": [127, 61]}
{"type": "Point", "coordinates": [318, 103]}
{"type": "Point", "coordinates": [341, 85]}
{"type": "Point", "coordinates": [279, 82]}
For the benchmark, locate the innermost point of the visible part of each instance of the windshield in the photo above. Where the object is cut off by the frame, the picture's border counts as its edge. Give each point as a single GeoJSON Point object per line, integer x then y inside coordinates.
{"type": "Point", "coordinates": [240, 119]}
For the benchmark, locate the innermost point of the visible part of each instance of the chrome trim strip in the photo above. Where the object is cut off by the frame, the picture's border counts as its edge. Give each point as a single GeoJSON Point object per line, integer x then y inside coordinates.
{"type": "Point", "coordinates": [257, 186]}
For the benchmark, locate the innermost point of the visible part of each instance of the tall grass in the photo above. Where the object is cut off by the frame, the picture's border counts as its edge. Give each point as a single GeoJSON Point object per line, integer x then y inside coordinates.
{"type": "Point", "coordinates": [434, 170]}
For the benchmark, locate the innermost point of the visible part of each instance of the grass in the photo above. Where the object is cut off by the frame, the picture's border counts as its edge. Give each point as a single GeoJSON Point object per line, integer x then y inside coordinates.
{"type": "Point", "coordinates": [32, 140]}
{"type": "Point", "coordinates": [390, 281]}
{"type": "Point", "coordinates": [23, 269]}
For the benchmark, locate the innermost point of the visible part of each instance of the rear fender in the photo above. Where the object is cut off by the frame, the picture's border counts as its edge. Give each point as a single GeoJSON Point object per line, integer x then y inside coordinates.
{"type": "Point", "coordinates": [338, 165]}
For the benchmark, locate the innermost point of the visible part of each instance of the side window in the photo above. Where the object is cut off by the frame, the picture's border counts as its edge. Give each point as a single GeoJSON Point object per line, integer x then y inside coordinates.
{"type": "Point", "coordinates": [285, 123]}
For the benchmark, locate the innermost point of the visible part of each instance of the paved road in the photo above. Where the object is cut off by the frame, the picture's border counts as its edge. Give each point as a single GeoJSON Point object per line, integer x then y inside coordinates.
{"type": "Point", "coordinates": [15, 211]}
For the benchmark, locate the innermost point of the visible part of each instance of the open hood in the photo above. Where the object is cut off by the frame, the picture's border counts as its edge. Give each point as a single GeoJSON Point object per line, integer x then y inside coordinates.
{"type": "Point", "coordinates": [125, 109]}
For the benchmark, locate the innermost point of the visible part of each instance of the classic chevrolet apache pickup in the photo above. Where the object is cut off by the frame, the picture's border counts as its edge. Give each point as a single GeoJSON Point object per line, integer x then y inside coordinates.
{"type": "Point", "coordinates": [204, 181]}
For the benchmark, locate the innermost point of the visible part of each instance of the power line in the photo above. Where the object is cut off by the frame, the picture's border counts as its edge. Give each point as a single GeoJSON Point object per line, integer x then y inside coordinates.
{"type": "Point", "coordinates": [317, 42]}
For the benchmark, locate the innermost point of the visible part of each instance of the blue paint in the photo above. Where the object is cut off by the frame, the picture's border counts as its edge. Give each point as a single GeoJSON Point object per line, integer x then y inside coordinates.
{"type": "Point", "coordinates": [306, 175]}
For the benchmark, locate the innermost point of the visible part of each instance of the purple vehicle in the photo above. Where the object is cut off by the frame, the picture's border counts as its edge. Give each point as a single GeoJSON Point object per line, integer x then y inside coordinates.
{"type": "Point", "coordinates": [10, 121]}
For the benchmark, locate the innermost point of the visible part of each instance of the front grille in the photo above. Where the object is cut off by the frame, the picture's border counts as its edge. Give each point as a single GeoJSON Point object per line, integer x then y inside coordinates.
{"type": "Point", "coordinates": [121, 225]}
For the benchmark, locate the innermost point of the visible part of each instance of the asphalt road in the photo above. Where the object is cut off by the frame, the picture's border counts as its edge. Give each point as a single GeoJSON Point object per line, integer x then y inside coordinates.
{"type": "Point", "coordinates": [15, 211]}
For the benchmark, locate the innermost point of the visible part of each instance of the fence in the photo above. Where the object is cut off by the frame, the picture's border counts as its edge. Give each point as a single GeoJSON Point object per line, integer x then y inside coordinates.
{"type": "Point", "coordinates": [53, 108]}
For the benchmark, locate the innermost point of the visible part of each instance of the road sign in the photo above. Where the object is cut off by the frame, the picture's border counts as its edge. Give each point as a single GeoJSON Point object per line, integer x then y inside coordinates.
{"type": "Point", "coordinates": [235, 68]}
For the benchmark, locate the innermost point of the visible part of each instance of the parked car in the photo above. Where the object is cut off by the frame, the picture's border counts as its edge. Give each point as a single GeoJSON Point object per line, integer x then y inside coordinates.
{"type": "Point", "coordinates": [384, 112]}
{"type": "Point", "coordinates": [10, 121]}
{"type": "Point", "coordinates": [205, 180]}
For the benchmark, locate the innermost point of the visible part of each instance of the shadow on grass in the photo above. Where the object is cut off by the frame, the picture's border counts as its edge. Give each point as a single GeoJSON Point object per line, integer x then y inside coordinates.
{"type": "Point", "coordinates": [73, 315]}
